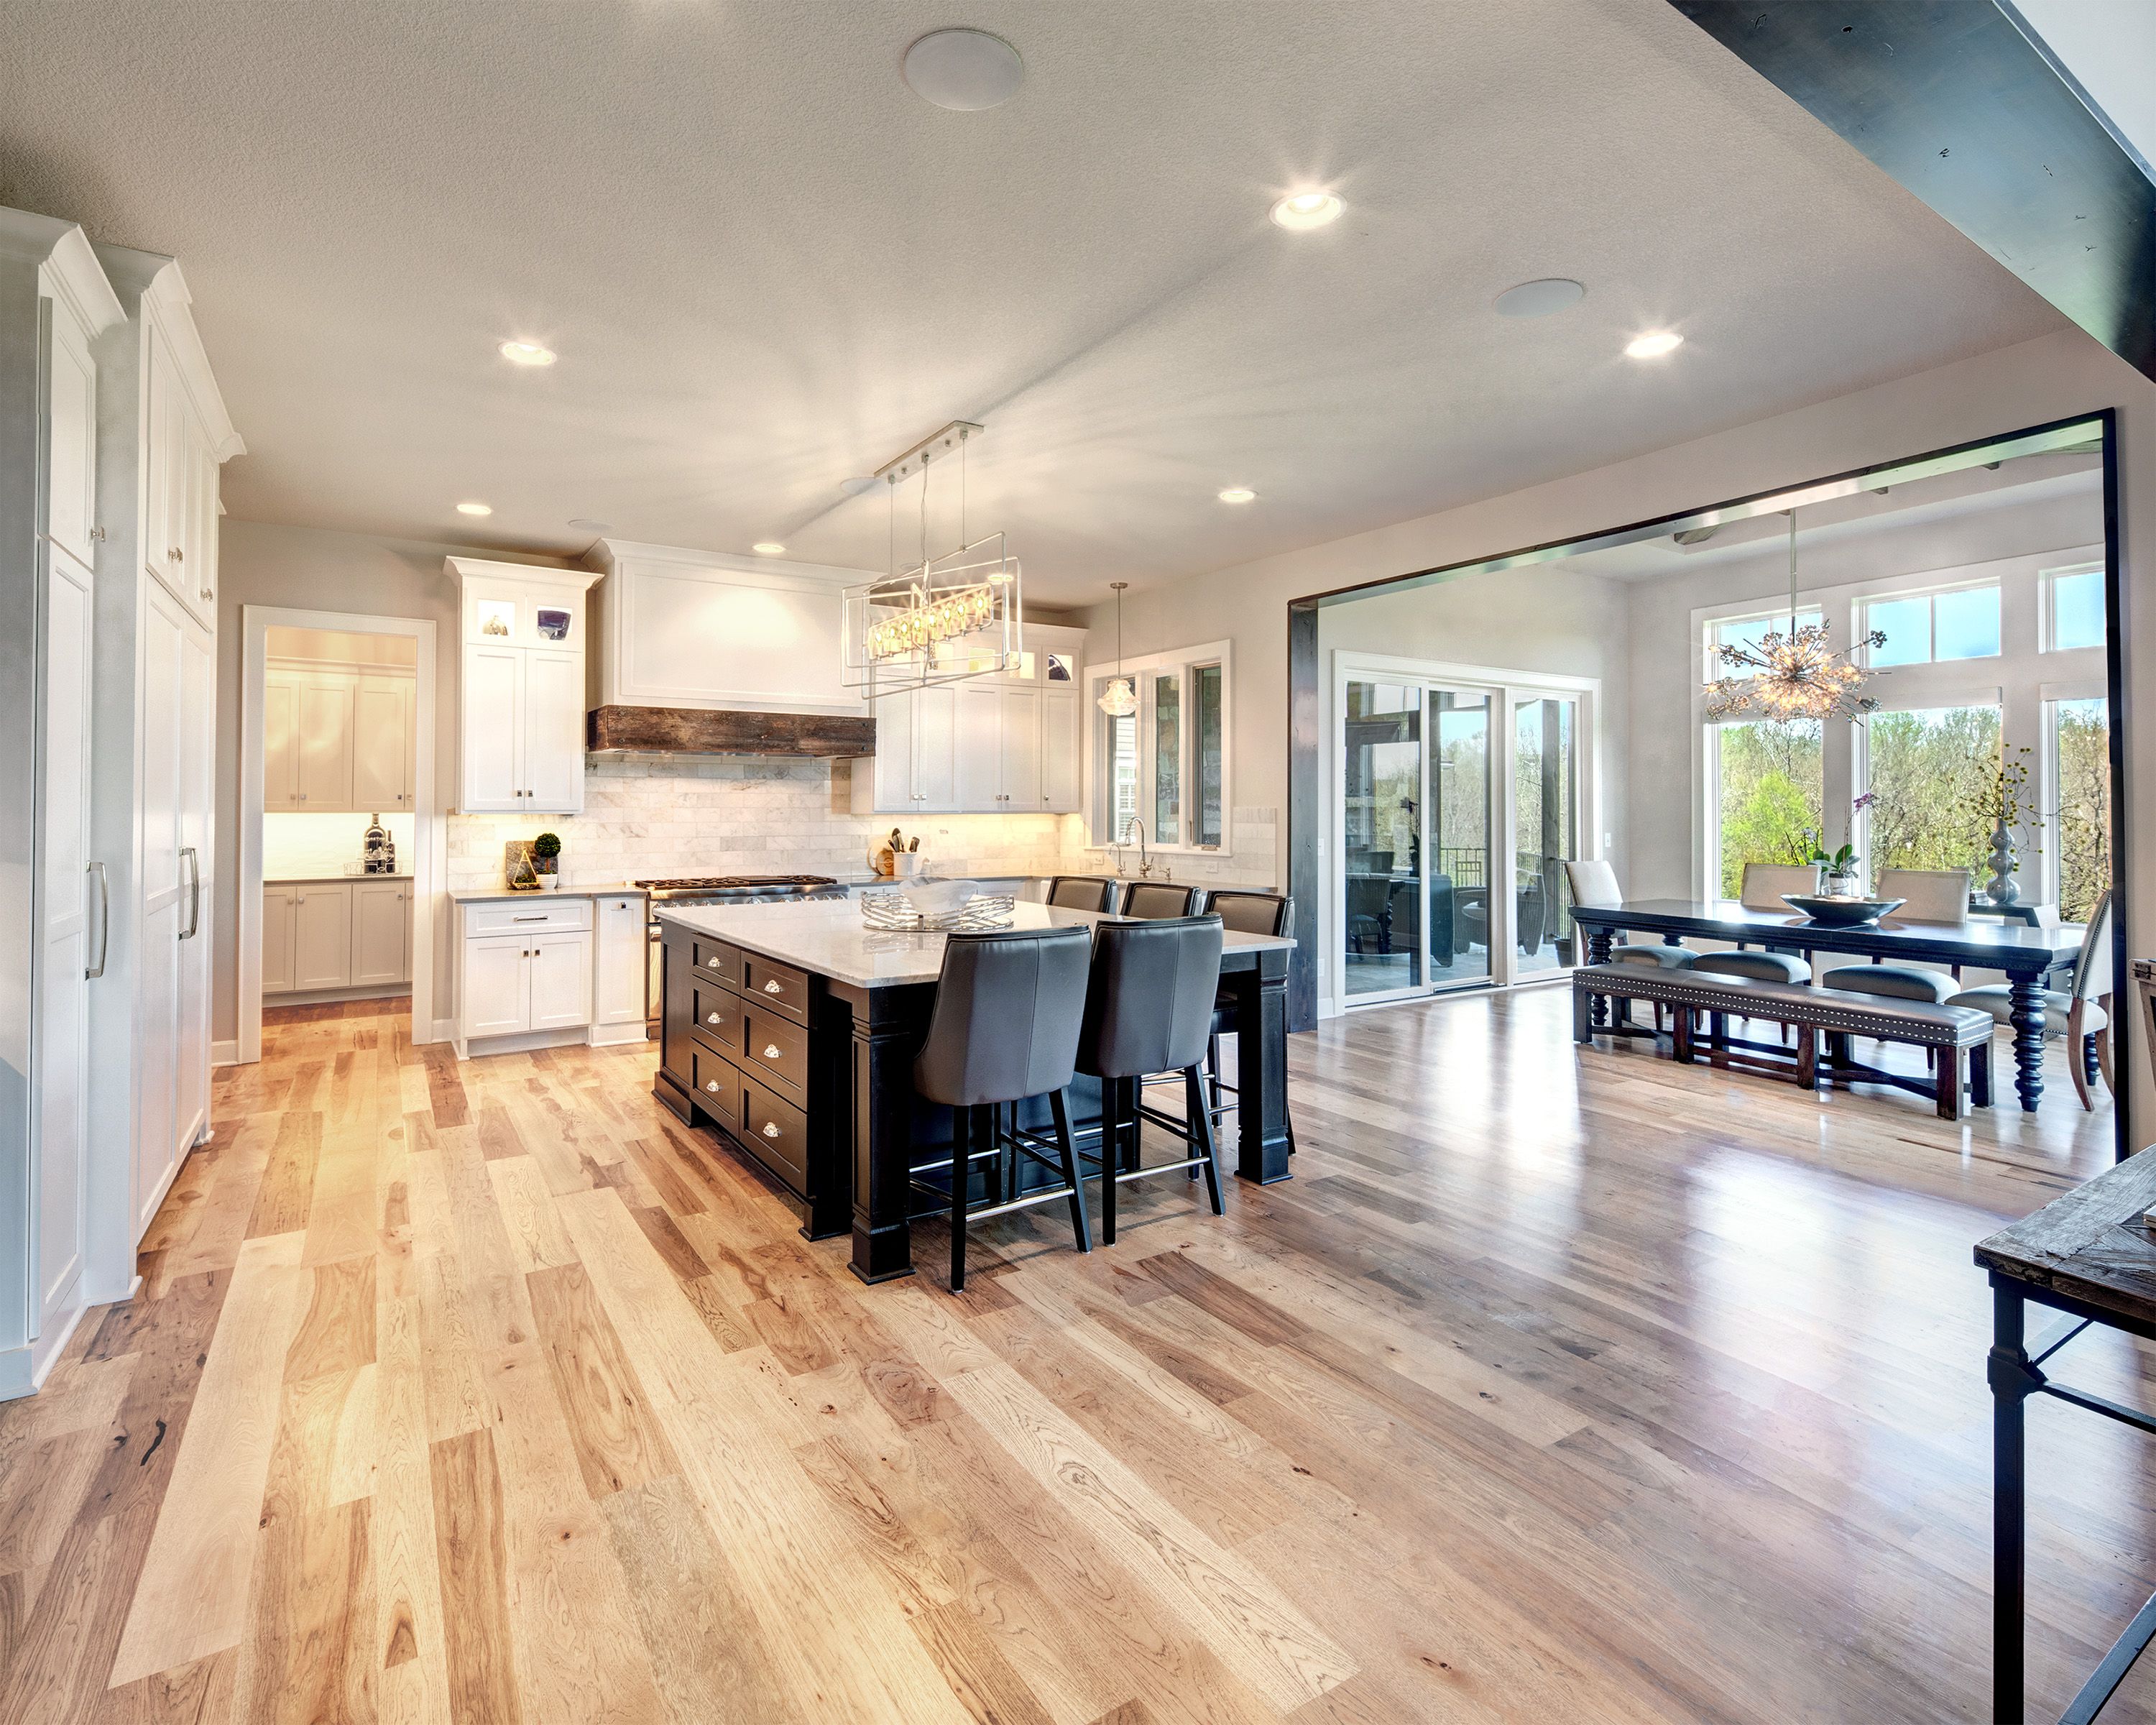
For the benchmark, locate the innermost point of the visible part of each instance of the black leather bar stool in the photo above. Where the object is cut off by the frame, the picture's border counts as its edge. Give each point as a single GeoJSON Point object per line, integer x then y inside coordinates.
{"type": "Point", "coordinates": [1082, 892]}
{"type": "Point", "coordinates": [1155, 900]}
{"type": "Point", "coordinates": [1247, 913]}
{"type": "Point", "coordinates": [1148, 1010]}
{"type": "Point", "coordinates": [1009, 1007]}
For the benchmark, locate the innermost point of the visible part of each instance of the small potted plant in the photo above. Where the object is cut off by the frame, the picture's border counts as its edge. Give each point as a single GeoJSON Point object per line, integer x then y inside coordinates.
{"type": "Point", "coordinates": [547, 861]}
{"type": "Point", "coordinates": [1843, 869]}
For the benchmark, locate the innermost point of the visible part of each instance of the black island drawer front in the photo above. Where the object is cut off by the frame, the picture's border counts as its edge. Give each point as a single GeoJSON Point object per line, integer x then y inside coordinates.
{"type": "Point", "coordinates": [715, 960]}
{"type": "Point", "coordinates": [718, 1088]}
{"type": "Point", "coordinates": [778, 986]}
{"type": "Point", "coordinates": [777, 1132]}
{"type": "Point", "coordinates": [779, 1053]}
{"type": "Point", "coordinates": [716, 1015]}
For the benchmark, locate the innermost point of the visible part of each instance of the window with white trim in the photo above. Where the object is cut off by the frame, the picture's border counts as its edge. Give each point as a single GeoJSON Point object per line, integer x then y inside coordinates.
{"type": "Point", "coordinates": [1167, 764]}
{"type": "Point", "coordinates": [1929, 627]}
{"type": "Point", "coordinates": [2074, 609]}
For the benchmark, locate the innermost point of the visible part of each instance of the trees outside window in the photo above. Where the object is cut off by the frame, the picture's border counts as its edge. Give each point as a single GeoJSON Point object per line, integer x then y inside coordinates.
{"type": "Point", "coordinates": [2081, 827]}
{"type": "Point", "coordinates": [1772, 791]}
{"type": "Point", "coordinates": [1931, 769]}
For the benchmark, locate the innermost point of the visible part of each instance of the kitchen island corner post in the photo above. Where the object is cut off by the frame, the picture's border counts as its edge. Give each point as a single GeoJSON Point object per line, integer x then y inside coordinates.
{"type": "Point", "coordinates": [887, 1027]}
{"type": "Point", "coordinates": [1260, 989]}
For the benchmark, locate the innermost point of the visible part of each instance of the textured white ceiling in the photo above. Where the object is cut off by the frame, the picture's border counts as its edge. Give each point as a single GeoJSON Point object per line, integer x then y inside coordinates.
{"type": "Point", "coordinates": [767, 266]}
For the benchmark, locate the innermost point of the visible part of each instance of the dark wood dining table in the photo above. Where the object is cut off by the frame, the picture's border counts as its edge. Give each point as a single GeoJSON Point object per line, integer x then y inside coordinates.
{"type": "Point", "coordinates": [2027, 955]}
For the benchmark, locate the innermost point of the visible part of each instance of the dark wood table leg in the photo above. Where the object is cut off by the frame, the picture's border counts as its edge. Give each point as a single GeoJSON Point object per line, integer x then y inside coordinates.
{"type": "Point", "coordinates": [1260, 995]}
{"type": "Point", "coordinates": [2007, 1369]}
{"type": "Point", "coordinates": [2026, 997]}
{"type": "Point", "coordinates": [882, 1135]}
{"type": "Point", "coordinates": [1597, 952]}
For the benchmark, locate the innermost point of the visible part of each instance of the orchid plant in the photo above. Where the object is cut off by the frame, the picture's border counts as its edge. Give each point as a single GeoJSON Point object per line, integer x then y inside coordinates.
{"type": "Point", "coordinates": [1843, 861]}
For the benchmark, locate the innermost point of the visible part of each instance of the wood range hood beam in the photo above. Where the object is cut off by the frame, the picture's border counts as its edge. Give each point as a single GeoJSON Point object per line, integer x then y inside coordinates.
{"type": "Point", "coordinates": [700, 730]}
{"type": "Point", "coordinates": [1962, 106]}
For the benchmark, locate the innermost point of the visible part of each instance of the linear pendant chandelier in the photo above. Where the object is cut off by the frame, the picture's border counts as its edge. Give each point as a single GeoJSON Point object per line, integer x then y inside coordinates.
{"type": "Point", "coordinates": [940, 618]}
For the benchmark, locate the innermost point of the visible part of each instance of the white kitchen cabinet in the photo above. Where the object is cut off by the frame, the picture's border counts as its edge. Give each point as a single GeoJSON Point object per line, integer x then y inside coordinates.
{"type": "Point", "coordinates": [278, 909]}
{"type": "Point", "coordinates": [180, 471]}
{"type": "Point", "coordinates": [561, 968]}
{"type": "Point", "coordinates": [1009, 744]}
{"type": "Point", "coordinates": [381, 933]}
{"type": "Point", "coordinates": [382, 754]}
{"type": "Point", "coordinates": [620, 964]}
{"type": "Point", "coordinates": [325, 742]}
{"type": "Point", "coordinates": [281, 742]}
{"type": "Point", "coordinates": [521, 699]}
{"type": "Point", "coordinates": [322, 935]}
{"type": "Point", "coordinates": [494, 986]}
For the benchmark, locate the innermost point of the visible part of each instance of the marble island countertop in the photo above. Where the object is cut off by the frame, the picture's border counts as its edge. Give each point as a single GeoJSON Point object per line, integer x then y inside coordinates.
{"type": "Point", "coordinates": [827, 938]}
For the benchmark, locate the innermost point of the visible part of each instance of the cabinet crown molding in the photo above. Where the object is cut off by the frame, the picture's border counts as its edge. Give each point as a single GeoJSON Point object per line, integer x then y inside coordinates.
{"type": "Point", "coordinates": [155, 283]}
{"type": "Point", "coordinates": [64, 249]}
{"type": "Point", "coordinates": [463, 569]}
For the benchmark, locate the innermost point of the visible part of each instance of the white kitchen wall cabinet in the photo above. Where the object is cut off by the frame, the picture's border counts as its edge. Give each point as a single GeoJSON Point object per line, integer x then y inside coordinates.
{"type": "Point", "coordinates": [1007, 744]}
{"type": "Point", "coordinates": [520, 698]}
{"type": "Point", "coordinates": [525, 972]}
{"type": "Point", "coordinates": [621, 964]}
{"type": "Point", "coordinates": [382, 713]}
{"type": "Point", "coordinates": [281, 742]}
{"type": "Point", "coordinates": [694, 628]}
{"type": "Point", "coordinates": [55, 304]}
{"type": "Point", "coordinates": [325, 742]}
{"type": "Point", "coordinates": [337, 740]}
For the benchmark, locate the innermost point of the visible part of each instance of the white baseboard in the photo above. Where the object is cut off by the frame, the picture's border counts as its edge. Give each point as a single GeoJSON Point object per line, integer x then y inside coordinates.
{"type": "Point", "coordinates": [224, 1053]}
{"type": "Point", "coordinates": [445, 1031]}
{"type": "Point", "coordinates": [524, 1042]}
{"type": "Point", "coordinates": [24, 1370]}
{"type": "Point", "coordinates": [611, 1035]}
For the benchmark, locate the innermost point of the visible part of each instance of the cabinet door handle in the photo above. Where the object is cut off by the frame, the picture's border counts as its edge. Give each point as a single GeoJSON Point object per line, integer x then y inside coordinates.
{"type": "Point", "coordinates": [711, 1017]}
{"type": "Point", "coordinates": [712, 1085]}
{"type": "Point", "coordinates": [177, 555]}
{"type": "Point", "coordinates": [770, 1129]}
{"type": "Point", "coordinates": [771, 1050]}
{"type": "Point", "coordinates": [104, 920]}
{"type": "Point", "coordinates": [194, 891]}
{"type": "Point", "coordinates": [772, 988]}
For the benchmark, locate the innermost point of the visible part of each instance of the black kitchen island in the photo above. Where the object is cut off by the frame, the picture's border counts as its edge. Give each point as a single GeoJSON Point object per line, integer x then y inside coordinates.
{"type": "Point", "coordinates": [790, 1030]}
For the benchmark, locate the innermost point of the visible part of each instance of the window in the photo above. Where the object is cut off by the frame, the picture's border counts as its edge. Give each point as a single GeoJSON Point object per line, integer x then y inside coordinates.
{"type": "Point", "coordinates": [2073, 608]}
{"type": "Point", "coordinates": [1928, 628]}
{"type": "Point", "coordinates": [1931, 769]}
{"type": "Point", "coordinates": [2080, 828]}
{"type": "Point", "coordinates": [1748, 632]}
{"type": "Point", "coordinates": [1772, 790]}
{"type": "Point", "coordinates": [1167, 763]}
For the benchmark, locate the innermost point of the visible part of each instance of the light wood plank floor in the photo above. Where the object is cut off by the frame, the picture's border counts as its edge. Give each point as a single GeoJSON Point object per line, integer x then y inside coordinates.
{"type": "Point", "coordinates": [1555, 1387]}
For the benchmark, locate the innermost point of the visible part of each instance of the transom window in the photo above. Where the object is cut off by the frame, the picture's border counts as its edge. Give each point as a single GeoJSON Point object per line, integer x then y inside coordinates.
{"type": "Point", "coordinates": [2073, 608]}
{"type": "Point", "coordinates": [1930, 628]}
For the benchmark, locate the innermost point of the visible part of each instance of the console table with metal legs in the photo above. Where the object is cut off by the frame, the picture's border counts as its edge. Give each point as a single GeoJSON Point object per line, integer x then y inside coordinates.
{"type": "Point", "coordinates": [2088, 1255]}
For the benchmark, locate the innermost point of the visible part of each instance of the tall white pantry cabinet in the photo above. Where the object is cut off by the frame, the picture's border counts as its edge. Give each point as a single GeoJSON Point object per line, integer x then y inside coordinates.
{"type": "Point", "coordinates": [111, 435]}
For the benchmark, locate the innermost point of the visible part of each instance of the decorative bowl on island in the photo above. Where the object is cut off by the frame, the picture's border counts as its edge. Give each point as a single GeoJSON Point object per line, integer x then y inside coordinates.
{"type": "Point", "coordinates": [1842, 912]}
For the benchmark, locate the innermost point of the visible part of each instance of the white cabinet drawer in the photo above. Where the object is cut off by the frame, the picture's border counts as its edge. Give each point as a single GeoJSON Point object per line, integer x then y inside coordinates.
{"type": "Point", "coordinates": [527, 916]}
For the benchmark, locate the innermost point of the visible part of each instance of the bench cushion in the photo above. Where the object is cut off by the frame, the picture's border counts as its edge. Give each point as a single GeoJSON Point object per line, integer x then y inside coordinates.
{"type": "Point", "coordinates": [1765, 967]}
{"type": "Point", "coordinates": [1869, 1015]}
{"type": "Point", "coordinates": [1904, 981]}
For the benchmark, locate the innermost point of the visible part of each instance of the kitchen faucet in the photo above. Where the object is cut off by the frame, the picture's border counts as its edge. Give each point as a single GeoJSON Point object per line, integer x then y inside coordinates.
{"type": "Point", "coordinates": [1145, 862]}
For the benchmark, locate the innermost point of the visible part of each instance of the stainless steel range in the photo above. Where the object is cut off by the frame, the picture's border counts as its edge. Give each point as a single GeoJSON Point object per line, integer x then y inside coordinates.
{"type": "Point", "coordinates": [717, 890]}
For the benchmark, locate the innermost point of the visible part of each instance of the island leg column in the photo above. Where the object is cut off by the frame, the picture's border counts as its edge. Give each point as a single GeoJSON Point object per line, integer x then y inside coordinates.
{"type": "Point", "coordinates": [2008, 1370]}
{"type": "Point", "coordinates": [1261, 1068]}
{"type": "Point", "coordinates": [883, 1117]}
{"type": "Point", "coordinates": [2025, 1005]}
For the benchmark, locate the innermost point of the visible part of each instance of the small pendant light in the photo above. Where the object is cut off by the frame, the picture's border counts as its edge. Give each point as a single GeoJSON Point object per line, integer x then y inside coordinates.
{"type": "Point", "coordinates": [1119, 701]}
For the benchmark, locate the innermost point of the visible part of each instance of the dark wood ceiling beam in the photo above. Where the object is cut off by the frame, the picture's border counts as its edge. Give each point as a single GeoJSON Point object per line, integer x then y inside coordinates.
{"type": "Point", "coordinates": [1967, 112]}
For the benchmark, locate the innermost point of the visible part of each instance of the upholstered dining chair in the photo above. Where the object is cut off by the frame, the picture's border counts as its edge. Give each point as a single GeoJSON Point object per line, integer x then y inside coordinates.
{"type": "Point", "coordinates": [2081, 1013]}
{"type": "Point", "coordinates": [1929, 895]}
{"type": "Point", "coordinates": [1761, 888]}
{"type": "Point", "coordinates": [1082, 892]}
{"type": "Point", "coordinates": [1594, 884]}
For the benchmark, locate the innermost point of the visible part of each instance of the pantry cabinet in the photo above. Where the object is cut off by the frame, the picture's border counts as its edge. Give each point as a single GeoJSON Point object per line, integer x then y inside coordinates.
{"type": "Point", "coordinates": [382, 750]}
{"type": "Point", "coordinates": [1009, 744]}
{"type": "Point", "coordinates": [321, 936]}
{"type": "Point", "coordinates": [520, 698]}
{"type": "Point", "coordinates": [337, 740]}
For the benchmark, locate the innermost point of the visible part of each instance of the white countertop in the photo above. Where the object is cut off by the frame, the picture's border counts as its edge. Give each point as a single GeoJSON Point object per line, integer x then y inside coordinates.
{"type": "Point", "coordinates": [604, 889]}
{"type": "Point", "coordinates": [319, 879]}
{"type": "Point", "coordinates": [829, 937]}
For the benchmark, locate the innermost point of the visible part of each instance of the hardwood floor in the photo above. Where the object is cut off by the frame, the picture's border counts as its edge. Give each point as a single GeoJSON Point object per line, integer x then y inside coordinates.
{"type": "Point", "coordinates": [1556, 1386]}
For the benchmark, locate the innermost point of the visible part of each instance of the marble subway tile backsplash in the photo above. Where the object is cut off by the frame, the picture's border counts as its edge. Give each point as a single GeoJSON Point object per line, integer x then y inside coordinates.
{"type": "Point", "coordinates": [648, 816]}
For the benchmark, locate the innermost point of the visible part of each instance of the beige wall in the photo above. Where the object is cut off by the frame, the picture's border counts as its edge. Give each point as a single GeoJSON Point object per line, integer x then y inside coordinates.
{"type": "Point", "coordinates": [2053, 378]}
{"type": "Point", "coordinates": [310, 569]}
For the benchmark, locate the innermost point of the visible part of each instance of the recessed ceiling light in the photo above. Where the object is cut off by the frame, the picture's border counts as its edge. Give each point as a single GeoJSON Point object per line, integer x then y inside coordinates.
{"type": "Point", "coordinates": [1538, 299]}
{"type": "Point", "coordinates": [966, 71]}
{"type": "Point", "coordinates": [527, 353]}
{"type": "Point", "coordinates": [589, 526]}
{"type": "Point", "coordinates": [768, 548]}
{"type": "Point", "coordinates": [1237, 493]}
{"type": "Point", "coordinates": [1305, 210]}
{"type": "Point", "coordinates": [1653, 344]}
{"type": "Point", "coordinates": [474, 509]}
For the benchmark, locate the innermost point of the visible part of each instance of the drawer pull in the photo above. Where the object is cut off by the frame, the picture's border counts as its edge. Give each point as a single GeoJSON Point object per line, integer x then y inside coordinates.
{"type": "Point", "coordinates": [771, 1050]}
{"type": "Point", "coordinates": [772, 988]}
{"type": "Point", "coordinates": [712, 1085]}
{"type": "Point", "coordinates": [711, 1018]}
{"type": "Point", "coordinates": [770, 1129]}
{"type": "Point", "coordinates": [712, 962]}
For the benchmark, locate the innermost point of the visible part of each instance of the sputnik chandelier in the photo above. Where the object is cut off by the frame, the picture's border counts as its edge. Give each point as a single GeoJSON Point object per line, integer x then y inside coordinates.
{"type": "Point", "coordinates": [939, 619]}
{"type": "Point", "coordinates": [1796, 675]}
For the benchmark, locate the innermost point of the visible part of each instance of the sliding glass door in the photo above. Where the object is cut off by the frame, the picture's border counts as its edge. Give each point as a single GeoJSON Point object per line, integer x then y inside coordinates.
{"type": "Point", "coordinates": [1459, 805]}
